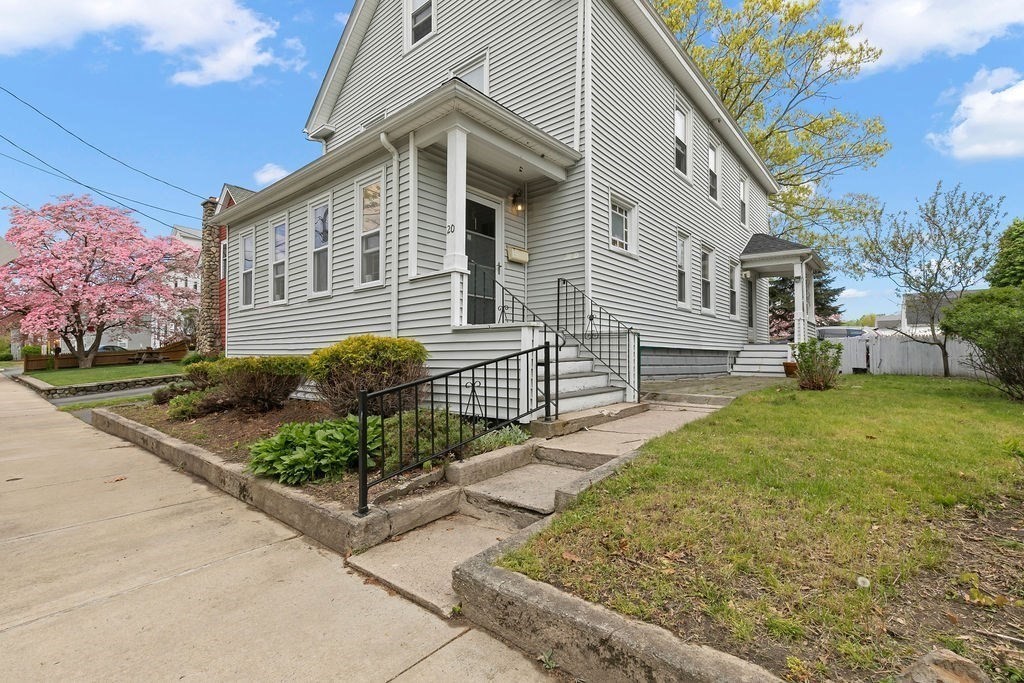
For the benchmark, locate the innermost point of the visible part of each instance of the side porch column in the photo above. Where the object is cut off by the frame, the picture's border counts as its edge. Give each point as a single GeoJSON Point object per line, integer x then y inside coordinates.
{"type": "Point", "coordinates": [799, 303]}
{"type": "Point", "coordinates": [455, 260]}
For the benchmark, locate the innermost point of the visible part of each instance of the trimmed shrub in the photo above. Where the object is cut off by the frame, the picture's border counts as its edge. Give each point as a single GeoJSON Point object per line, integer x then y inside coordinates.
{"type": "Point", "coordinates": [301, 452]}
{"type": "Point", "coordinates": [201, 374]}
{"type": "Point", "coordinates": [817, 363]}
{"type": "Point", "coordinates": [509, 435]}
{"type": "Point", "coordinates": [198, 403]}
{"type": "Point", "coordinates": [367, 362]}
{"type": "Point", "coordinates": [992, 321]}
{"type": "Point", "coordinates": [196, 357]}
{"type": "Point", "coordinates": [33, 349]}
{"type": "Point", "coordinates": [6, 357]}
{"type": "Point", "coordinates": [259, 384]}
{"type": "Point", "coordinates": [438, 431]}
{"type": "Point", "coordinates": [163, 395]}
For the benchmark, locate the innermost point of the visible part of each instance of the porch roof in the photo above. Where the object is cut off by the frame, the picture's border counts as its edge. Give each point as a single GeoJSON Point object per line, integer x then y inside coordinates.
{"type": "Point", "coordinates": [770, 256]}
{"type": "Point", "coordinates": [453, 99]}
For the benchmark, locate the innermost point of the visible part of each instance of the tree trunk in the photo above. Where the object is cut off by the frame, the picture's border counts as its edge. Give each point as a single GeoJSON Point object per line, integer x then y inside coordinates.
{"type": "Point", "coordinates": [945, 360]}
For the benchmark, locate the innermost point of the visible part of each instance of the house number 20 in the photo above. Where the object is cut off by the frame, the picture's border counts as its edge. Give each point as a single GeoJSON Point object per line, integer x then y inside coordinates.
{"type": "Point", "coordinates": [451, 228]}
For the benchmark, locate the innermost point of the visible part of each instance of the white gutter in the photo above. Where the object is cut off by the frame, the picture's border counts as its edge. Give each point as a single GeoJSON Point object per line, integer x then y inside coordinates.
{"type": "Point", "coordinates": [395, 167]}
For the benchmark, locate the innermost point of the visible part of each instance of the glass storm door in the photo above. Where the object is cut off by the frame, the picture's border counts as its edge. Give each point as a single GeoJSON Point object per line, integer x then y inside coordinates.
{"type": "Point", "coordinates": [481, 248]}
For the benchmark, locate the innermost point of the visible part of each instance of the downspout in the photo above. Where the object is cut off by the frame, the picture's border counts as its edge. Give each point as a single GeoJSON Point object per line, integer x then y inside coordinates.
{"type": "Point", "coordinates": [395, 168]}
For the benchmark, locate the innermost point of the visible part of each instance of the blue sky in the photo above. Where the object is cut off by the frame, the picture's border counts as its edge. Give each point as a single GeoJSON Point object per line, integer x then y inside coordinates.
{"type": "Point", "coordinates": [199, 92]}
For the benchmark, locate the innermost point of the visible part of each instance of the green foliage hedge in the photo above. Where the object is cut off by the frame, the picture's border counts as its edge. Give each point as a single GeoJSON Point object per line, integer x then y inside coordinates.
{"type": "Point", "coordinates": [33, 349]}
{"type": "Point", "coordinates": [817, 363]}
{"type": "Point", "coordinates": [258, 384]}
{"type": "Point", "coordinates": [201, 374]}
{"type": "Point", "coordinates": [993, 322]}
{"type": "Point", "coordinates": [367, 362]}
{"type": "Point", "coordinates": [302, 452]}
{"type": "Point", "coordinates": [6, 357]}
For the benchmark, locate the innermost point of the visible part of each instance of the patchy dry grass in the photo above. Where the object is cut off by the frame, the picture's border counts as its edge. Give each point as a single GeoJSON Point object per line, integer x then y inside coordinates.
{"type": "Point", "coordinates": [750, 529]}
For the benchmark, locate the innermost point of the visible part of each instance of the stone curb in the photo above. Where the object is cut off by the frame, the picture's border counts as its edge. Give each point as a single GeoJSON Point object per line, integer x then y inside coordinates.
{"type": "Point", "coordinates": [328, 523]}
{"type": "Point", "coordinates": [586, 640]}
{"type": "Point", "coordinates": [487, 465]}
{"type": "Point", "coordinates": [567, 494]}
{"type": "Point", "coordinates": [48, 391]}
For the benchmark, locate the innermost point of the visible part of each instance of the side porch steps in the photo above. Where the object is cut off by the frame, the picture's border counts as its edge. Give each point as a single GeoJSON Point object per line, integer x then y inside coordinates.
{"type": "Point", "coordinates": [761, 360]}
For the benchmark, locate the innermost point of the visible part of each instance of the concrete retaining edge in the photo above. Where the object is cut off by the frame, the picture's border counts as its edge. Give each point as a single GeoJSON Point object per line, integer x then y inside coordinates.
{"type": "Point", "coordinates": [586, 640]}
{"type": "Point", "coordinates": [48, 391]}
{"type": "Point", "coordinates": [328, 523]}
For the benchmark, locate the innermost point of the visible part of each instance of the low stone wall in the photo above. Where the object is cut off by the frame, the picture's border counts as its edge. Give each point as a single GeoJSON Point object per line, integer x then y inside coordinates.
{"type": "Point", "coordinates": [48, 391]}
{"type": "Point", "coordinates": [586, 640]}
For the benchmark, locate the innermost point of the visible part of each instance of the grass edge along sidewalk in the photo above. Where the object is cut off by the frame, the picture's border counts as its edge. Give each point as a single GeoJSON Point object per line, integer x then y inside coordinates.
{"type": "Point", "coordinates": [106, 373]}
{"type": "Point", "coordinates": [753, 530]}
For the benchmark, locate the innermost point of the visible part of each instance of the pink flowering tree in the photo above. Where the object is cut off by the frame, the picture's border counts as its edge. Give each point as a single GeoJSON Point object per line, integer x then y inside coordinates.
{"type": "Point", "coordinates": [84, 269]}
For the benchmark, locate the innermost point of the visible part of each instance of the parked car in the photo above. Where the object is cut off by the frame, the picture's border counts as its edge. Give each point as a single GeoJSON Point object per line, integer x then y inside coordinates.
{"type": "Point", "coordinates": [112, 347]}
{"type": "Point", "coordinates": [839, 332]}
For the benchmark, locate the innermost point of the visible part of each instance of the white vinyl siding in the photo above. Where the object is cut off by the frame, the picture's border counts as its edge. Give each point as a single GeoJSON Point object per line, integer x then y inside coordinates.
{"type": "Point", "coordinates": [707, 279]}
{"type": "Point", "coordinates": [369, 234]}
{"type": "Point", "coordinates": [279, 261]}
{"type": "Point", "coordinates": [320, 253]}
{"type": "Point", "coordinates": [247, 268]}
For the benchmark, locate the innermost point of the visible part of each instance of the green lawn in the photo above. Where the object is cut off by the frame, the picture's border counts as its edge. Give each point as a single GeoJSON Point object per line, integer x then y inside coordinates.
{"type": "Point", "coordinates": [107, 403]}
{"type": "Point", "coordinates": [748, 530]}
{"type": "Point", "coordinates": [62, 378]}
{"type": "Point", "coordinates": [4, 364]}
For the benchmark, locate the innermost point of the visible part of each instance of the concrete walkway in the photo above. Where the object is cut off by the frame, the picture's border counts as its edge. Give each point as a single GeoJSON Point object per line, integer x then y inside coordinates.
{"type": "Point", "coordinates": [114, 566]}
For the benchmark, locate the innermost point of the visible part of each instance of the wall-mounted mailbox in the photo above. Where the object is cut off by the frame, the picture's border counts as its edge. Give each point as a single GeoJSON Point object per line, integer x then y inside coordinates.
{"type": "Point", "coordinates": [517, 255]}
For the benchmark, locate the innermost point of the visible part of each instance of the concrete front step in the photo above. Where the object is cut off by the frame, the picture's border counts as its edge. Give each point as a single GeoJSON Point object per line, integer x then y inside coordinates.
{"type": "Point", "coordinates": [770, 368]}
{"type": "Point", "coordinates": [520, 497]}
{"type": "Point", "coordinates": [578, 381]}
{"type": "Point", "coordinates": [573, 401]}
{"type": "Point", "coordinates": [572, 422]}
{"type": "Point", "coordinates": [568, 367]}
{"type": "Point", "coordinates": [419, 564]}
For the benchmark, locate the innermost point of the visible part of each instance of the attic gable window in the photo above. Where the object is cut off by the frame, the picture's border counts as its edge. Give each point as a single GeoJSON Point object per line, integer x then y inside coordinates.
{"type": "Point", "coordinates": [422, 20]}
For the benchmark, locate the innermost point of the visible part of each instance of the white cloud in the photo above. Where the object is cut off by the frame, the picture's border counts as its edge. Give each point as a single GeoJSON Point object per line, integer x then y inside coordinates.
{"type": "Point", "coordinates": [210, 40]}
{"type": "Point", "coordinates": [341, 18]}
{"type": "Point", "coordinates": [989, 121]}
{"type": "Point", "coordinates": [910, 30]}
{"type": "Point", "coordinates": [851, 293]}
{"type": "Point", "coordinates": [269, 173]}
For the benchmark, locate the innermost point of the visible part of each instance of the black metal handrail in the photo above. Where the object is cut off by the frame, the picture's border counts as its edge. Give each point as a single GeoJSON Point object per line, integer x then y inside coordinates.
{"type": "Point", "coordinates": [512, 309]}
{"type": "Point", "coordinates": [611, 341]}
{"type": "Point", "coordinates": [433, 417]}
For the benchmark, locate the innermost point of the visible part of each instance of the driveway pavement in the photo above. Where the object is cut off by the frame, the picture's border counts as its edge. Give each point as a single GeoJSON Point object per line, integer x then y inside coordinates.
{"type": "Point", "coordinates": [115, 566]}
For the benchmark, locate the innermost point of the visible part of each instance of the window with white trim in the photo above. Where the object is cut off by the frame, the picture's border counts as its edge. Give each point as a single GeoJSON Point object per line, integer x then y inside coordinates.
{"type": "Point", "coordinates": [320, 281]}
{"type": "Point", "coordinates": [734, 289]}
{"type": "Point", "coordinates": [713, 170]}
{"type": "Point", "coordinates": [743, 201]}
{"type": "Point", "coordinates": [682, 268]}
{"type": "Point", "coordinates": [707, 279]}
{"type": "Point", "coordinates": [421, 20]}
{"type": "Point", "coordinates": [248, 263]}
{"type": "Point", "coordinates": [682, 150]}
{"type": "Point", "coordinates": [476, 74]}
{"type": "Point", "coordinates": [622, 225]}
{"type": "Point", "coordinates": [369, 233]}
{"type": "Point", "coordinates": [279, 261]}
{"type": "Point", "coordinates": [223, 259]}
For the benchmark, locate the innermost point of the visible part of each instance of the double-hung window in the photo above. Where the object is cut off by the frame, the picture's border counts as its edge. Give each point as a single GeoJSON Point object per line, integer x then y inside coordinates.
{"type": "Point", "coordinates": [713, 161]}
{"type": "Point", "coordinates": [279, 262]}
{"type": "Point", "coordinates": [421, 20]}
{"type": "Point", "coordinates": [248, 265]}
{"type": "Point", "coordinates": [734, 290]}
{"type": "Point", "coordinates": [743, 201]}
{"type": "Point", "coordinates": [707, 279]}
{"type": "Point", "coordinates": [682, 160]}
{"type": "Point", "coordinates": [223, 259]}
{"type": "Point", "coordinates": [620, 226]}
{"type": "Point", "coordinates": [682, 268]}
{"type": "Point", "coordinates": [369, 232]}
{"type": "Point", "coordinates": [320, 282]}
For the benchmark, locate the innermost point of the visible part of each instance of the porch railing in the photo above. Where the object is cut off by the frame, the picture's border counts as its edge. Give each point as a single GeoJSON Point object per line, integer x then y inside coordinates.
{"type": "Point", "coordinates": [512, 309]}
{"type": "Point", "coordinates": [405, 427]}
{"type": "Point", "coordinates": [613, 343]}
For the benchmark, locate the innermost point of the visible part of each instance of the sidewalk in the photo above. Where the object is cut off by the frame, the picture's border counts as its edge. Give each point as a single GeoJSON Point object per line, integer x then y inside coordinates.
{"type": "Point", "coordinates": [115, 566]}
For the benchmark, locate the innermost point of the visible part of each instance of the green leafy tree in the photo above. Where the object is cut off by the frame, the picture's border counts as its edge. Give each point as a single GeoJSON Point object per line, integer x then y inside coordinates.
{"type": "Point", "coordinates": [992, 321]}
{"type": "Point", "coordinates": [776, 64]}
{"type": "Point", "coordinates": [934, 256]}
{"type": "Point", "coordinates": [1008, 269]}
{"type": "Point", "coordinates": [866, 320]}
{"type": "Point", "coordinates": [781, 306]}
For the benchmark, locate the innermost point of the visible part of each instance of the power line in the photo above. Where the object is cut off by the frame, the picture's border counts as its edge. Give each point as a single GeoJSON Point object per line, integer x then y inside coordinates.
{"type": "Point", "coordinates": [16, 201]}
{"type": "Point", "coordinates": [112, 194]}
{"type": "Point", "coordinates": [89, 144]}
{"type": "Point", "coordinates": [79, 182]}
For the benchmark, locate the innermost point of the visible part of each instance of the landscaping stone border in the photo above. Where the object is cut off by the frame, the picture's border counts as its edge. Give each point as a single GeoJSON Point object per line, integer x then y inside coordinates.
{"type": "Point", "coordinates": [48, 391]}
{"type": "Point", "coordinates": [586, 640]}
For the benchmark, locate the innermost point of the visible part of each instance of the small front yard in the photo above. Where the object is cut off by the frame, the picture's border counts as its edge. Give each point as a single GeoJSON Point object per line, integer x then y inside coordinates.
{"type": "Point", "coordinates": [833, 535]}
{"type": "Point", "coordinates": [106, 373]}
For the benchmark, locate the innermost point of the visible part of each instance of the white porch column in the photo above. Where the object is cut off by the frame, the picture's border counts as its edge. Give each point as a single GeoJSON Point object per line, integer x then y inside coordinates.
{"type": "Point", "coordinates": [811, 315]}
{"type": "Point", "coordinates": [455, 255]}
{"type": "Point", "coordinates": [799, 304]}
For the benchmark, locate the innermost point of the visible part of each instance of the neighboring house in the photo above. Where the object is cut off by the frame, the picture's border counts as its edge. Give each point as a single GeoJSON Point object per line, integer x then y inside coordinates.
{"type": "Point", "coordinates": [7, 252]}
{"type": "Point", "coordinates": [918, 312]}
{"type": "Point", "coordinates": [166, 330]}
{"type": "Point", "coordinates": [479, 156]}
{"type": "Point", "coordinates": [888, 324]}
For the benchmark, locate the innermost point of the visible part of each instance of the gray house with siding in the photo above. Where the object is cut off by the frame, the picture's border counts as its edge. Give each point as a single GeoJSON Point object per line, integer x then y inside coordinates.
{"type": "Point", "coordinates": [495, 171]}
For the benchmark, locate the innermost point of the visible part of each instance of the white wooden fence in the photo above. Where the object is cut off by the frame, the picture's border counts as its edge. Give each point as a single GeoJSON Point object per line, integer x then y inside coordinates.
{"type": "Point", "coordinates": [897, 355]}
